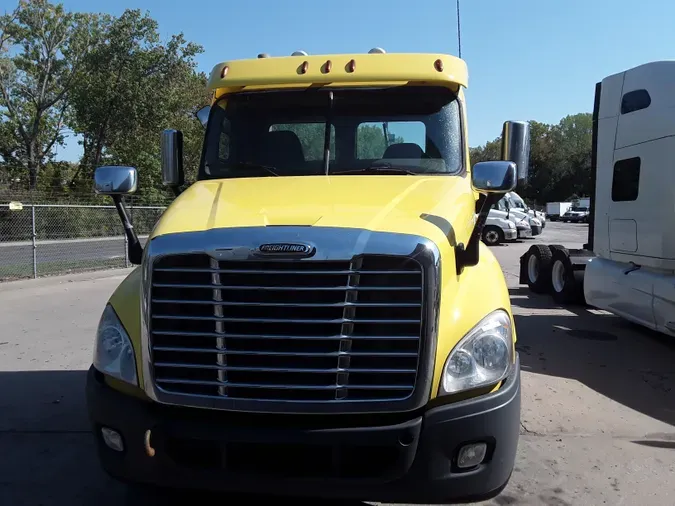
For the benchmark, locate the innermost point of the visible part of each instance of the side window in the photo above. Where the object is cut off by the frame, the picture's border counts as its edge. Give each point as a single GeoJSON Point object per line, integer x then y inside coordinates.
{"type": "Point", "coordinates": [635, 100]}
{"type": "Point", "coordinates": [312, 137]}
{"type": "Point", "coordinates": [370, 137]}
{"type": "Point", "coordinates": [626, 180]}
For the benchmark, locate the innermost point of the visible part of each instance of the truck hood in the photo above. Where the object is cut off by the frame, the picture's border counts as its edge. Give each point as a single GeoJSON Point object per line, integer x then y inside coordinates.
{"type": "Point", "coordinates": [404, 204]}
{"type": "Point", "coordinates": [516, 217]}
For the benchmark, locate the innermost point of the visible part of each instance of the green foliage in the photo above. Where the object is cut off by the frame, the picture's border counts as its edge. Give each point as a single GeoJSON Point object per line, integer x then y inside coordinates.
{"type": "Point", "coordinates": [560, 159]}
{"type": "Point", "coordinates": [370, 141]}
{"type": "Point", "coordinates": [130, 88]}
{"type": "Point", "coordinates": [312, 138]}
{"type": "Point", "coordinates": [41, 50]}
{"type": "Point", "coordinates": [114, 81]}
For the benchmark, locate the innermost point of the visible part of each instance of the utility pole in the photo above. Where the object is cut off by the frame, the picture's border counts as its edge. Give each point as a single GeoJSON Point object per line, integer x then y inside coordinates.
{"type": "Point", "coordinates": [459, 32]}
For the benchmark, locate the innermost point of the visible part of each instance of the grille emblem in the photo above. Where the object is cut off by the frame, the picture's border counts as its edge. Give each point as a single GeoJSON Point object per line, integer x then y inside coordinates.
{"type": "Point", "coordinates": [286, 249]}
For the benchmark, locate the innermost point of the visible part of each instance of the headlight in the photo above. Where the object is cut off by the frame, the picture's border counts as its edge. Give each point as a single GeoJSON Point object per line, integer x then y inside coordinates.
{"type": "Point", "coordinates": [113, 353]}
{"type": "Point", "coordinates": [483, 357]}
{"type": "Point", "coordinates": [510, 224]}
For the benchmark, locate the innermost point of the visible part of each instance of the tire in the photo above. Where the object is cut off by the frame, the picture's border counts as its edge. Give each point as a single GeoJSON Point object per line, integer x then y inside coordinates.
{"type": "Point", "coordinates": [538, 268]}
{"type": "Point", "coordinates": [566, 283]}
{"type": "Point", "coordinates": [492, 236]}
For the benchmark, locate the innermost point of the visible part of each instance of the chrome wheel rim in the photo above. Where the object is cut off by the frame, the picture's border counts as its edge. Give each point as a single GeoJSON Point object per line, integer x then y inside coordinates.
{"type": "Point", "coordinates": [558, 276]}
{"type": "Point", "coordinates": [533, 268]}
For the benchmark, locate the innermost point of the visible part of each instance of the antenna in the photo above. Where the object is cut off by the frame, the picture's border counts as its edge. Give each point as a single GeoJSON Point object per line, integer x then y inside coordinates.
{"type": "Point", "coordinates": [459, 32]}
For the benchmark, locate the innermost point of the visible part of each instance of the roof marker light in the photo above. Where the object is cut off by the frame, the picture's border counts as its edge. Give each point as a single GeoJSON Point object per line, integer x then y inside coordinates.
{"type": "Point", "coordinates": [328, 66]}
{"type": "Point", "coordinates": [304, 67]}
{"type": "Point", "coordinates": [299, 53]}
{"type": "Point", "coordinates": [263, 55]}
{"type": "Point", "coordinates": [351, 66]}
{"type": "Point", "coordinates": [224, 72]}
{"type": "Point", "coordinates": [377, 50]}
{"type": "Point", "coordinates": [438, 65]}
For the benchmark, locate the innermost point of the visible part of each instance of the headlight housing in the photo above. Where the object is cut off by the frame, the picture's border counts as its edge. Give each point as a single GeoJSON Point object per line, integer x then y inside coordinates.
{"type": "Point", "coordinates": [483, 357]}
{"type": "Point", "coordinates": [510, 224]}
{"type": "Point", "coordinates": [113, 352]}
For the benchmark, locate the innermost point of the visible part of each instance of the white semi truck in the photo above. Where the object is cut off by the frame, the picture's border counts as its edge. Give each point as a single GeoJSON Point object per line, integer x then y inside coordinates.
{"type": "Point", "coordinates": [516, 202]}
{"type": "Point", "coordinates": [628, 265]}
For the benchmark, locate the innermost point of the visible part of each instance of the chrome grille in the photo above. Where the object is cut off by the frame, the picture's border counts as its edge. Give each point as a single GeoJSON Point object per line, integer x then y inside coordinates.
{"type": "Point", "coordinates": [309, 330]}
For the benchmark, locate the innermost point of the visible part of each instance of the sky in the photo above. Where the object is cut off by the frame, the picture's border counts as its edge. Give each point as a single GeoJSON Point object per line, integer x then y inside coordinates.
{"type": "Point", "coordinates": [527, 59]}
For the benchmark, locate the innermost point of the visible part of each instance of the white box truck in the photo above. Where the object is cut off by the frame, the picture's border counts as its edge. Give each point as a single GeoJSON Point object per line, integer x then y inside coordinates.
{"type": "Point", "coordinates": [554, 210]}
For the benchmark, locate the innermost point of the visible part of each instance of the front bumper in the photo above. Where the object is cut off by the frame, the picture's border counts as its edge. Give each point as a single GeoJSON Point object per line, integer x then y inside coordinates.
{"type": "Point", "coordinates": [510, 234]}
{"type": "Point", "coordinates": [524, 233]}
{"type": "Point", "coordinates": [403, 458]}
{"type": "Point", "coordinates": [536, 230]}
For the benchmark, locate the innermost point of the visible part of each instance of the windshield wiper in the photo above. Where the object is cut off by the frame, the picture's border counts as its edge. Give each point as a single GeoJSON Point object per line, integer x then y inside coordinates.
{"type": "Point", "coordinates": [377, 168]}
{"type": "Point", "coordinates": [251, 165]}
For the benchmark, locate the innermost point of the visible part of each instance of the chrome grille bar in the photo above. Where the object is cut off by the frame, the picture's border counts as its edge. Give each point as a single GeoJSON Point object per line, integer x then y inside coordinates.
{"type": "Point", "coordinates": [312, 332]}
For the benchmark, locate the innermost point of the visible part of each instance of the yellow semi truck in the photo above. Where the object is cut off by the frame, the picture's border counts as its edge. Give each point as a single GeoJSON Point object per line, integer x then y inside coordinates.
{"type": "Point", "coordinates": [316, 315]}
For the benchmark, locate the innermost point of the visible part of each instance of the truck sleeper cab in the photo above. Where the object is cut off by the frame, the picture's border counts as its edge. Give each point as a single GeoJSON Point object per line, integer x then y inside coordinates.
{"type": "Point", "coordinates": [628, 265]}
{"type": "Point", "coordinates": [311, 316]}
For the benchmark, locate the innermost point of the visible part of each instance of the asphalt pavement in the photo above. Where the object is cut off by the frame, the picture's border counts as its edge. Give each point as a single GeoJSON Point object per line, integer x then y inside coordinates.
{"type": "Point", "coordinates": [598, 408]}
{"type": "Point", "coordinates": [57, 255]}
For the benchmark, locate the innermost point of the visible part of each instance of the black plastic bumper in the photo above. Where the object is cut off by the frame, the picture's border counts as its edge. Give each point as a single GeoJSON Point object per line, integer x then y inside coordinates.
{"type": "Point", "coordinates": [411, 460]}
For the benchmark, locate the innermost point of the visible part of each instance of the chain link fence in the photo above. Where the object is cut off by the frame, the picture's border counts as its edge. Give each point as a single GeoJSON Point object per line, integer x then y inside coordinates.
{"type": "Point", "coordinates": [47, 239]}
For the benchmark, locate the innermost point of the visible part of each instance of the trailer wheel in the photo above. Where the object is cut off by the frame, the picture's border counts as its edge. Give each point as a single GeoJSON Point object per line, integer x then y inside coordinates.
{"type": "Point", "coordinates": [539, 268]}
{"type": "Point", "coordinates": [567, 284]}
{"type": "Point", "coordinates": [492, 236]}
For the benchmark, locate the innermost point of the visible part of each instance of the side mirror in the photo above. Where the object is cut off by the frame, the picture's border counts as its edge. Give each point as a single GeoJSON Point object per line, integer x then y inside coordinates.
{"type": "Point", "coordinates": [172, 158]}
{"type": "Point", "coordinates": [516, 146]}
{"type": "Point", "coordinates": [203, 115]}
{"type": "Point", "coordinates": [494, 177]}
{"type": "Point", "coordinates": [115, 180]}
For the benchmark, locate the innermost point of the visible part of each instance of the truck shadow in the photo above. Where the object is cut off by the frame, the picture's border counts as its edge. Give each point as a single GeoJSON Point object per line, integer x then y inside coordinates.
{"type": "Point", "coordinates": [49, 457]}
{"type": "Point", "coordinates": [622, 361]}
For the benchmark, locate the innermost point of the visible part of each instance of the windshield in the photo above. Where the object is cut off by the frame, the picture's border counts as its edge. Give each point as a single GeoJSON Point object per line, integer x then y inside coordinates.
{"type": "Point", "coordinates": [516, 201]}
{"type": "Point", "coordinates": [401, 130]}
{"type": "Point", "coordinates": [579, 209]}
{"type": "Point", "coordinates": [502, 205]}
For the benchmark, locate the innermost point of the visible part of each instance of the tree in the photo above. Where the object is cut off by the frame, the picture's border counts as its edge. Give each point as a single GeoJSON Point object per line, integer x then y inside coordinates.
{"type": "Point", "coordinates": [41, 49]}
{"type": "Point", "coordinates": [560, 159]}
{"type": "Point", "coordinates": [371, 143]}
{"type": "Point", "coordinates": [129, 88]}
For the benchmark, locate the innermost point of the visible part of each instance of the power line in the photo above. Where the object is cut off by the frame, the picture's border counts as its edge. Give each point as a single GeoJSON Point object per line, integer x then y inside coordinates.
{"type": "Point", "coordinates": [459, 31]}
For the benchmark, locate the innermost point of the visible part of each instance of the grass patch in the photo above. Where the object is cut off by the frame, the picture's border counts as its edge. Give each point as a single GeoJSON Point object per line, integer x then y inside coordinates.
{"type": "Point", "coordinates": [25, 270]}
